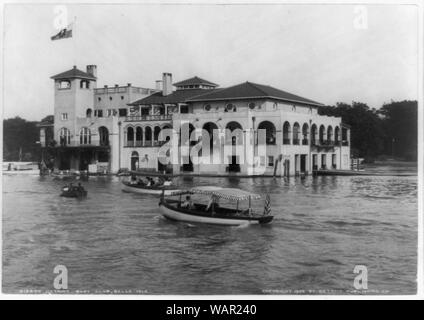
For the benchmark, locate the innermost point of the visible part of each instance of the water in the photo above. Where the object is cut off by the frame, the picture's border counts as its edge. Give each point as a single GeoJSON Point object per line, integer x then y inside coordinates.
{"type": "Point", "coordinates": [118, 242]}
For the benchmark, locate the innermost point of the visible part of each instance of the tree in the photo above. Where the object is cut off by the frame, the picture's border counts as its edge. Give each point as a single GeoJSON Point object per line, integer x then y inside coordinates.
{"type": "Point", "coordinates": [19, 134]}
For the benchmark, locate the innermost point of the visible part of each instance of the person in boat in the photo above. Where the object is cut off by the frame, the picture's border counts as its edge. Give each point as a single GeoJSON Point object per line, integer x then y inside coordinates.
{"type": "Point", "coordinates": [80, 187]}
{"type": "Point", "coordinates": [140, 182]}
{"type": "Point", "coordinates": [212, 204]}
{"type": "Point", "coordinates": [133, 179]}
{"type": "Point", "coordinates": [188, 203]}
{"type": "Point", "coordinates": [167, 182]}
{"type": "Point", "coordinates": [149, 182]}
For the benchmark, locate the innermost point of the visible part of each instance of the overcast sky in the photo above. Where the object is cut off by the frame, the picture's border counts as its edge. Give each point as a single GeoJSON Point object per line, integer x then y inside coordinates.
{"type": "Point", "coordinates": [314, 51]}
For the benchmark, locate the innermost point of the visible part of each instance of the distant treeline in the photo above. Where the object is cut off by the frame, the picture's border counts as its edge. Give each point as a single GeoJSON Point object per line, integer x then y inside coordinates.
{"type": "Point", "coordinates": [389, 132]}
{"type": "Point", "coordinates": [20, 140]}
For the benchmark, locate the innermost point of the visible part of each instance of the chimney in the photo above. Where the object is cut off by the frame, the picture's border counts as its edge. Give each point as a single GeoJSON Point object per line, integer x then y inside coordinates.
{"type": "Point", "coordinates": [166, 83]}
{"type": "Point", "coordinates": [159, 85]}
{"type": "Point", "coordinates": [92, 70]}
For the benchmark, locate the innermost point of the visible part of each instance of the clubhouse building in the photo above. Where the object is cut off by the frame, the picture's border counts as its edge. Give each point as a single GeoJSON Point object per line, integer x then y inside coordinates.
{"type": "Point", "coordinates": [104, 130]}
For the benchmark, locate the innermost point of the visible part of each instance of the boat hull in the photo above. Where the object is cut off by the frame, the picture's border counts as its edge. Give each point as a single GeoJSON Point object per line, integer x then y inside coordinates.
{"type": "Point", "coordinates": [175, 215]}
{"type": "Point", "coordinates": [22, 172]}
{"type": "Point", "coordinates": [128, 188]}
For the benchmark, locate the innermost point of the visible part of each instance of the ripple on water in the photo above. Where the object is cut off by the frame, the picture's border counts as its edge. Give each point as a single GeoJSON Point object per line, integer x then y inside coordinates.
{"type": "Point", "coordinates": [322, 227]}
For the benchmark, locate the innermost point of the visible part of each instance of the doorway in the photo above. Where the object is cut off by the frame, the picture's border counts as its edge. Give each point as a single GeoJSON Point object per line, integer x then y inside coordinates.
{"type": "Point", "coordinates": [134, 161]}
{"type": "Point", "coordinates": [303, 163]}
{"type": "Point", "coordinates": [234, 165]}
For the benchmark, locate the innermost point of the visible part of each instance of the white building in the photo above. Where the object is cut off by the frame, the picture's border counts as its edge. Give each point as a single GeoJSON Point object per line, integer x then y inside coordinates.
{"type": "Point", "coordinates": [121, 127]}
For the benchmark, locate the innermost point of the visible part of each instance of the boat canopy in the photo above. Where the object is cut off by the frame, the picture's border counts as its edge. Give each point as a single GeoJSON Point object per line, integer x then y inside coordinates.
{"type": "Point", "coordinates": [225, 193]}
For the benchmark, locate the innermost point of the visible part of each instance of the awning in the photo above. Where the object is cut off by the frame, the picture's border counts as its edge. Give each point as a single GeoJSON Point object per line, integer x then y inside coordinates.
{"type": "Point", "coordinates": [225, 193]}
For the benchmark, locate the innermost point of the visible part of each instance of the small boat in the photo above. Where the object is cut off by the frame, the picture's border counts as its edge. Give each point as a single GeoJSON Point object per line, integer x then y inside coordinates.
{"type": "Point", "coordinates": [21, 168]}
{"type": "Point", "coordinates": [200, 213]}
{"type": "Point", "coordinates": [73, 192]}
{"type": "Point", "coordinates": [143, 189]}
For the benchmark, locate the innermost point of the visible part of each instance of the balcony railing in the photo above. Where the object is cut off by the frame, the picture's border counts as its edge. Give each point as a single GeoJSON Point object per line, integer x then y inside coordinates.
{"type": "Point", "coordinates": [286, 141]}
{"type": "Point", "coordinates": [160, 117]}
{"type": "Point", "coordinates": [305, 142]}
{"type": "Point", "coordinates": [144, 144]}
{"type": "Point", "coordinates": [296, 141]}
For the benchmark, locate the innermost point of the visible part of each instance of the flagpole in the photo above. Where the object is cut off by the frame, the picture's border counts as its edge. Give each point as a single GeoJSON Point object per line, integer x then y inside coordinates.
{"type": "Point", "coordinates": [74, 27]}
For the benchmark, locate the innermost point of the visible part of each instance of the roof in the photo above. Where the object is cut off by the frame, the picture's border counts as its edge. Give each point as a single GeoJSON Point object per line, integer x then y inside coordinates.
{"type": "Point", "coordinates": [225, 193]}
{"type": "Point", "coordinates": [252, 90]}
{"type": "Point", "coordinates": [193, 81]}
{"type": "Point", "coordinates": [74, 73]}
{"type": "Point", "coordinates": [179, 96]}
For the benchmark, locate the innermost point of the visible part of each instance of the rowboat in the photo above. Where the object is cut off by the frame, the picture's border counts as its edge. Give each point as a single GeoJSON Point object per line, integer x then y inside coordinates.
{"type": "Point", "coordinates": [200, 213]}
{"type": "Point", "coordinates": [142, 189]}
{"type": "Point", "coordinates": [73, 192]}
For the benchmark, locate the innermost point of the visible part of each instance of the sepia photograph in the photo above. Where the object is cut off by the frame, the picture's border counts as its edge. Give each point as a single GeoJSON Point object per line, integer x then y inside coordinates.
{"type": "Point", "coordinates": [210, 148]}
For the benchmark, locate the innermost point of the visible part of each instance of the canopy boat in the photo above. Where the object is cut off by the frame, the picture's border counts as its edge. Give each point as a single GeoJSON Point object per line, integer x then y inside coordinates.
{"type": "Point", "coordinates": [73, 192]}
{"type": "Point", "coordinates": [200, 213]}
{"type": "Point", "coordinates": [129, 186]}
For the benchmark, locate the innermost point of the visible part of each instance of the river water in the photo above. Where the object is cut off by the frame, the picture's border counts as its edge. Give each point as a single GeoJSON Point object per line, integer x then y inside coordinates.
{"type": "Point", "coordinates": [116, 242]}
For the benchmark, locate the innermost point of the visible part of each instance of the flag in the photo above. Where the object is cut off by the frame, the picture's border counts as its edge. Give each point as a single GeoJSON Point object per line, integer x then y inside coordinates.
{"type": "Point", "coordinates": [267, 208]}
{"type": "Point", "coordinates": [64, 33]}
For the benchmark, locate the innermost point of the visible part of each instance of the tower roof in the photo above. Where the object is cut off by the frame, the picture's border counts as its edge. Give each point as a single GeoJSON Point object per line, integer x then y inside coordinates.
{"type": "Point", "coordinates": [74, 73]}
{"type": "Point", "coordinates": [195, 80]}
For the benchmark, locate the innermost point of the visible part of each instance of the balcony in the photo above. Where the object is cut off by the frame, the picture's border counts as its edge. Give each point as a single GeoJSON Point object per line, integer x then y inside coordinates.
{"type": "Point", "coordinates": [141, 144]}
{"type": "Point", "coordinates": [160, 117]}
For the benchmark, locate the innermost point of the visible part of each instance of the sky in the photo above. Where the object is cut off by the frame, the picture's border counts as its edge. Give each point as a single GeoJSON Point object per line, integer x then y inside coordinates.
{"type": "Point", "coordinates": [327, 53]}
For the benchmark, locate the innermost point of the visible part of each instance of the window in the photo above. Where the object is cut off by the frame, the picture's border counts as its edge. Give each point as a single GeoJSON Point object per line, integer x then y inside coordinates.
{"type": "Point", "coordinates": [64, 116]}
{"type": "Point", "coordinates": [64, 137]}
{"type": "Point", "coordinates": [99, 99]}
{"type": "Point", "coordinates": [184, 109]}
{"type": "Point", "coordinates": [122, 97]}
{"type": "Point", "coordinates": [100, 113]}
{"type": "Point", "coordinates": [123, 112]}
{"type": "Point", "coordinates": [65, 84]}
{"type": "Point", "coordinates": [109, 112]}
{"type": "Point", "coordinates": [84, 84]}
{"type": "Point", "coordinates": [230, 107]}
{"type": "Point", "coordinates": [252, 105]}
{"type": "Point", "coordinates": [88, 113]}
{"type": "Point", "coordinates": [270, 161]}
{"type": "Point", "coordinates": [208, 107]}
{"type": "Point", "coordinates": [110, 98]}
{"type": "Point", "coordinates": [85, 136]}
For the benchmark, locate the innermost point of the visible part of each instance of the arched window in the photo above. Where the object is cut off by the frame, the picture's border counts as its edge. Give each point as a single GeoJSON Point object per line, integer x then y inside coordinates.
{"type": "Point", "coordinates": [156, 132]}
{"type": "Point", "coordinates": [305, 129]}
{"type": "Point", "coordinates": [286, 133]}
{"type": "Point", "coordinates": [185, 134]}
{"type": "Point", "coordinates": [64, 137]}
{"type": "Point", "coordinates": [314, 132]}
{"type": "Point", "coordinates": [296, 131]}
{"type": "Point", "coordinates": [130, 137]}
{"type": "Point", "coordinates": [234, 134]}
{"type": "Point", "coordinates": [103, 136]}
{"type": "Point", "coordinates": [270, 131]}
{"type": "Point", "coordinates": [88, 113]}
{"type": "Point", "coordinates": [138, 137]}
{"type": "Point", "coordinates": [321, 134]}
{"type": "Point", "coordinates": [85, 136]}
{"type": "Point", "coordinates": [330, 134]}
{"type": "Point", "coordinates": [211, 128]}
{"type": "Point", "coordinates": [337, 135]}
{"type": "Point", "coordinates": [148, 136]}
